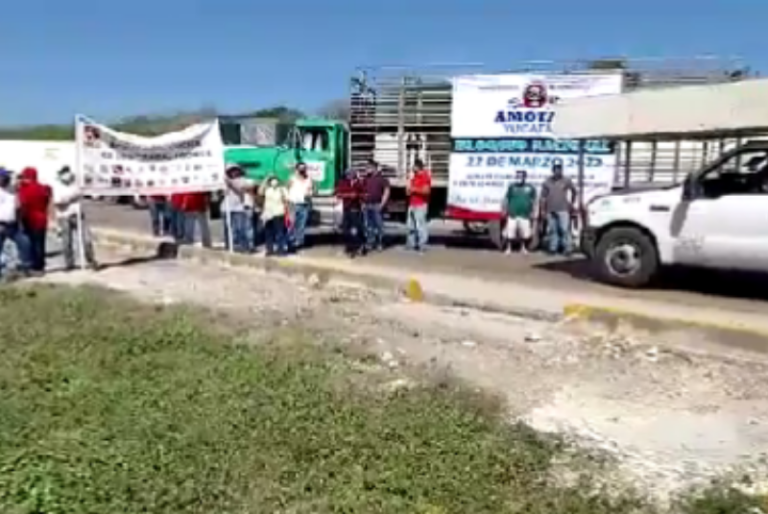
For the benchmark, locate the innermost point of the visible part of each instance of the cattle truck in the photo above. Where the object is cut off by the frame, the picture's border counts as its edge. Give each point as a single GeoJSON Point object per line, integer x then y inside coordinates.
{"type": "Point", "coordinates": [397, 115]}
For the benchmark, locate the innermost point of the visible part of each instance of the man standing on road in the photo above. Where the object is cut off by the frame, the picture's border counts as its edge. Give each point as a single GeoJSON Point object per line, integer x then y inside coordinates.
{"type": "Point", "coordinates": [558, 195]}
{"type": "Point", "coordinates": [376, 197]}
{"type": "Point", "coordinates": [300, 192]}
{"type": "Point", "coordinates": [238, 210]}
{"type": "Point", "coordinates": [34, 208]}
{"type": "Point", "coordinates": [9, 224]}
{"type": "Point", "coordinates": [66, 201]}
{"type": "Point", "coordinates": [350, 191]}
{"type": "Point", "coordinates": [418, 191]}
{"type": "Point", "coordinates": [519, 209]}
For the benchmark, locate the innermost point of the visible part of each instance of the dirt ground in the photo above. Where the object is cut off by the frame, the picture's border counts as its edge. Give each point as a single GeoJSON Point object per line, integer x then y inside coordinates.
{"type": "Point", "coordinates": [673, 412]}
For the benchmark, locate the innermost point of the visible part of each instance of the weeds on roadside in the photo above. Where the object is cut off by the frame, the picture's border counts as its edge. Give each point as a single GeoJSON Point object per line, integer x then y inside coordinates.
{"type": "Point", "coordinates": [109, 406]}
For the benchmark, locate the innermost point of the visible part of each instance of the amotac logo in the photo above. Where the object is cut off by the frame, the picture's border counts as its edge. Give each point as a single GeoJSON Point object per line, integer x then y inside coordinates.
{"type": "Point", "coordinates": [531, 113]}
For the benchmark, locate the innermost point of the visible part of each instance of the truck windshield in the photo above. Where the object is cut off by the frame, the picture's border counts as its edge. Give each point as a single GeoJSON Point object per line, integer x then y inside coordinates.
{"type": "Point", "coordinates": [314, 139]}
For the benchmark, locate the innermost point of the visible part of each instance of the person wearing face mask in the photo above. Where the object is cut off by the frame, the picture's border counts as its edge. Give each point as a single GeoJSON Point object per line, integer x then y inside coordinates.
{"type": "Point", "coordinates": [273, 214]}
{"type": "Point", "coordinates": [67, 206]}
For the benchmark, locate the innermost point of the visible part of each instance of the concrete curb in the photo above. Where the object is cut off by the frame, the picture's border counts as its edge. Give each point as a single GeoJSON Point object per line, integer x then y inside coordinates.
{"type": "Point", "coordinates": [741, 336]}
{"type": "Point", "coordinates": [735, 335]}
{"type": "Point", "coordinates": [409, 287]}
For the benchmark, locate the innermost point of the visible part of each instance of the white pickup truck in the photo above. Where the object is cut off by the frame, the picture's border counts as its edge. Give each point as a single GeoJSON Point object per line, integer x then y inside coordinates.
{"type": "Point", "coordinates": [718, 218]}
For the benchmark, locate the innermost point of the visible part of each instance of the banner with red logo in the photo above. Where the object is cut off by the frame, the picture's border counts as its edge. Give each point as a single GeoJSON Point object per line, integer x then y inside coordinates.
{"type": "Point", "coordinates": [113, 163]}
{"type": "Point", "coordinates": [503, 123]}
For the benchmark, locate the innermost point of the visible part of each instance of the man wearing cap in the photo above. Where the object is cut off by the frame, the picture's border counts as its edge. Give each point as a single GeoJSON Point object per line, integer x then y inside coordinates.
{"type": "Point", "coordinates": [9, 223]}
{"type": "Point", "coordinates": [239, 201]}
{"type": "Point", "coordinates": [558, 196]}
{"type": "Point", "coordinates": [70, 218]}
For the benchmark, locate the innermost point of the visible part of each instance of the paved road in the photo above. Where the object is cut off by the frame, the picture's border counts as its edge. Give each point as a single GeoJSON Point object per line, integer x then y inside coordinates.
{"type": "Point", "coordinates": [453, 252]}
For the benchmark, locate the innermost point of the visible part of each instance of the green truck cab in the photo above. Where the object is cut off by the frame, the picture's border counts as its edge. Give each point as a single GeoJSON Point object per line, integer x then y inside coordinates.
{"type": "Point", "coordinates": [319, 143]}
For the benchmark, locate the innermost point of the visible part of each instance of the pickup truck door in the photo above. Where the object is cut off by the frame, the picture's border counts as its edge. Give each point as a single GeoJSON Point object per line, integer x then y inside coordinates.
{"type": "Point", "coordinates": [730, 231]}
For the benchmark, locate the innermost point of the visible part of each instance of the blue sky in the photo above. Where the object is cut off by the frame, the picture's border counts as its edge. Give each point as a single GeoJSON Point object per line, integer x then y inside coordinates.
{"type": "Point", "coordinates": [109, 59]}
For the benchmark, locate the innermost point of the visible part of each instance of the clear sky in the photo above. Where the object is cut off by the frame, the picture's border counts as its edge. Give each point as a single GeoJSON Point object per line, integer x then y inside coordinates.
{"type": "Point", "coordinates": [113, 58]}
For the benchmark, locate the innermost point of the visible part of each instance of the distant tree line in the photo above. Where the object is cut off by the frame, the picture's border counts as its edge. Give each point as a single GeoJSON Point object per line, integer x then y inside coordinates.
{"type": "Point", "coordinates": [150, 125]}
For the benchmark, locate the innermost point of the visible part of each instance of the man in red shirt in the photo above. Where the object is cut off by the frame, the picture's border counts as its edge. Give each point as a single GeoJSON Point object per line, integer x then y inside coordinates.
{"type": "Point", "coordinates": [418, 190]}
{"type": "Point", "coordinates": [194, 207]}
{"type": "Point", "coordinates": [34, 209]}
{"type": "Point", "coordinates": [351, 191]}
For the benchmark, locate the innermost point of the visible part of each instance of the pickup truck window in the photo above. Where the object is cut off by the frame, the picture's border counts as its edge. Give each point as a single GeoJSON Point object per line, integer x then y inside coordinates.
{"type": "Point", "coordinates": [745, 173]}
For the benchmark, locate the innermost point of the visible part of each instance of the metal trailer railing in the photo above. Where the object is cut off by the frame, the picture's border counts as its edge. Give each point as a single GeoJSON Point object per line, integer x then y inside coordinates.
{"type": "Point", "coordinates": [398, 113]}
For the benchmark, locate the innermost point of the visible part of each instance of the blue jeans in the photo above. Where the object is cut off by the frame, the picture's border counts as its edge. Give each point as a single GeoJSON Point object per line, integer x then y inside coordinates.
{"type": "Point", "coordinates": [374, 225]}
{"type": "Point", "coordinates": [558, 231]}
{"type": "Point", "coordinates": [418, 232]}
{"type": "Point", "coordinates": [191, 220]}
{"type": "Point", "coordinates": [160, 217]}
{"type": "Point", "coordinates": [275, 236]}
{"type": "Point", "coordinates": [299, 216]}
{"type": "Point", "coordinates": [177, 224]}
{"type": "Point", "coordinates": [257, 233]}
{"type": "Point", "coordinates": [242, 231]}
{"type": "Point", "coordinates": [12, 232]}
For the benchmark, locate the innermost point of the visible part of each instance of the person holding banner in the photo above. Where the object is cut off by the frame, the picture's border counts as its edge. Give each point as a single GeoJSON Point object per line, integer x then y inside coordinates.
{"type": "Point", "coordinates": [300, 191]}
{"type": "Point", "coordinates": [238, 210]}
{"type": "Point", "coordinates": [34, 206]}
{"type": "Point", "coordinates": [70, 218]}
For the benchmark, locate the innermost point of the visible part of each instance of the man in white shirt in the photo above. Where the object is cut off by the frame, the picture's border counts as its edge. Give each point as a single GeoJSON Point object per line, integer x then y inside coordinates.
{"type": "Point", "coordinates": [300, 190]}
{"type": "Point", "coordinates": [9, 224]}
{"type": "Point", "coordinates": [238, 209]}
{"type": "Point", "coordinates": [67, 204]}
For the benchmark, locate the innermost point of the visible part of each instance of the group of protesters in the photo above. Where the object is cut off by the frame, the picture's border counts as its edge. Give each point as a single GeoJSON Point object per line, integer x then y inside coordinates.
{"type": "Point", "coordinates": [269, 213]}
{"type": "Point", "coordinates": [276, 214]}
{"type": "Point", "coordinates": [29, 207]}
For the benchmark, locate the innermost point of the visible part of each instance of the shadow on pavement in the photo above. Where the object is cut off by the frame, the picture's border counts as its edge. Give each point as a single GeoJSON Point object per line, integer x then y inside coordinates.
{"type": "Point", "coordinates": [727, 284]}
{"type": "Point", "coordinates": [165, 251]}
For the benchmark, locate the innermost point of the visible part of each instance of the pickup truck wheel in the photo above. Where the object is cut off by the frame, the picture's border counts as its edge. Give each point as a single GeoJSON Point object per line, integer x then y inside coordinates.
{"type": "Point", "coordinates": [626, 257]}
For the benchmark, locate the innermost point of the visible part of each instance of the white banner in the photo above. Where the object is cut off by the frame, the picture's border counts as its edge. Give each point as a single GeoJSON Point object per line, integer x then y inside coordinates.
{"type": "Point", "coordinates": [112, 163]}
{"type": "Point", "coordinates": [502, 123]}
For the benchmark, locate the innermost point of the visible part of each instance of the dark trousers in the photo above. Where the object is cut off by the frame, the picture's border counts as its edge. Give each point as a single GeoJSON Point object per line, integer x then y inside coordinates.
{"type": "Point", "coordinates": [160, 217]}
{"type": "Point", "coordinates": [353, 231]}
{"type": "Point", "coordinates": [258, 229]}
{"type": "Point", "coordinates": [275, 236]}
{"type": "Point", "coordinates": [37, 248]}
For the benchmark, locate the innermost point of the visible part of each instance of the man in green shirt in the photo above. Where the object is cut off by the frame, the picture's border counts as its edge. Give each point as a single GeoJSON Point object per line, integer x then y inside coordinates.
{"type": "Point", "coordinates": [519, 207]}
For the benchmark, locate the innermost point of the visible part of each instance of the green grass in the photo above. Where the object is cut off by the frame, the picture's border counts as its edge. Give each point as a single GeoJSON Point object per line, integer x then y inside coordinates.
{"type": "Point", "coordinates": [108, 406]}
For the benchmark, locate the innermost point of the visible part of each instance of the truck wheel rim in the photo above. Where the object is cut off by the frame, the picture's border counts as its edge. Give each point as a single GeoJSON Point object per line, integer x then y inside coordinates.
{"type": "Point", "coordinates": [623, 259]}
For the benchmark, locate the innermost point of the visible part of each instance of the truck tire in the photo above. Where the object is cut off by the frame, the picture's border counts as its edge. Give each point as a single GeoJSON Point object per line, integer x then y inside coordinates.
{"type": "Point", "coordinates": [626, 257]}
{"type": "Point", "coordinates": [495, 233]}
